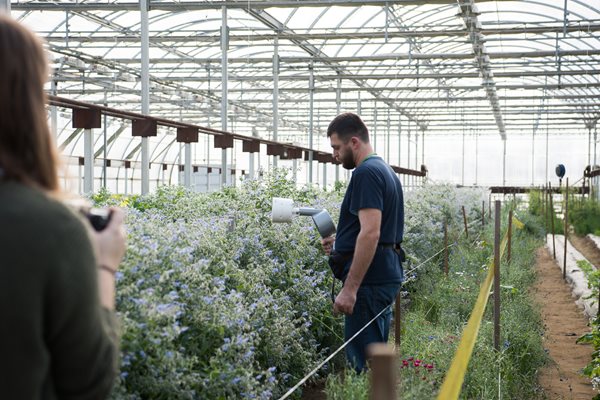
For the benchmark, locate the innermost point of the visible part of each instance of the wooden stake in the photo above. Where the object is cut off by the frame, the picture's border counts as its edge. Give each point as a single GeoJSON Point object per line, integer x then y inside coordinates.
{"type": "Point", "coordinates": [383, 371]}
{"type": "Point", "coordinates": [497, 277]}
{"type": "Point", "coordinates": [509, 243]}
{"type": "Point", "coordinates": [397, 320]}
{"type": "Point", "coordinates": [483, 213]}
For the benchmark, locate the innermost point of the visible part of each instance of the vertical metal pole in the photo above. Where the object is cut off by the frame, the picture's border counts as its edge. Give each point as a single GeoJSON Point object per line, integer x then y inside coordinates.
{"type": "Point", "coordinates": [5, 6]}
{"type": "Point", "coordinates": [324, 175]}
{"type": "Point", "coordinates": [416, 148]}
{"type": "Point", "coordinates": [566, 229]}
{"type": "Point", "coordinates": [224, 83]}
{"type": "Point", "coordinates": [387, 145]}
{"type": "Point", "coordinates": [275, 95]}
{"type": "Point", "coordinates": [532, 157]}
{"type": "Point", "coordinates": [408, 152]}
{"type": "Point", "coordinates": [295, 169]}
{"type": "Point", "coordinates": [105, 146]}
{"type": "Point", "coordinates": [509, 242]}
{"type": "Point", "coordinates": [53, 109]}
{"type": "Point", "coordinates": [400, 140]}
{"type": "Point", "coordinates": [595, 142]}
{"type": "Point", "coordinates": [145, 76]}
{"type": "Point", "coordinates": [565, 18]}
{"type": "Point", "coordinates": [311, 90]}
{"type": "Point", "coordinates": [375, 127]}
{"type": "Point", "coordinates": [589, 145]}
{"type": "Point", "coordinates": [503, 162]}
{"type": "Point", "coordinates": [88, 161]}
{"type": "Point", "coordinates": [462, 167]}
{"type": "Point", "coordinates": [547, 215]}
{"type": "Point", "coordinates": [546, 180]}
{"type": "Point", "coordinates": [422, 147]}
{"type": "Point", "coordinates": [383, 372]}
{"type": "Point", "coordinates": [126, 179]}
{"type": "Point", "coordinates": [552, 219]}
{"type": "Point", "coordinates": [187, 170]}
{"type": "Point", "coordinates": [497, 276]}
{"type": "Point", "coordinates": [338, 107]}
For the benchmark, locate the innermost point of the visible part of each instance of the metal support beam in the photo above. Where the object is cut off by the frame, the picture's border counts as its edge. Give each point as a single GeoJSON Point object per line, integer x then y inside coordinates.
{"type": "Point", "coordinates": [187, 174]}
{"type": "Point", "coordinates": [145, 78]}
{"type": "Point", "coordinates": [5, 6]}
{"type": "Point", "coordinates": [275, 79]}
{"type": "Point", "coordinates": [311, 90]}
{"type": "Point", "coordinates": [224, 83]}
{"type": "Point", "coordinates": [88, 161]}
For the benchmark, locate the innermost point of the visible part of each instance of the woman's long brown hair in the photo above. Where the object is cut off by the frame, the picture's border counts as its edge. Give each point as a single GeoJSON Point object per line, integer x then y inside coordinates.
{"type": "Point", "coordinates": [27, 150]}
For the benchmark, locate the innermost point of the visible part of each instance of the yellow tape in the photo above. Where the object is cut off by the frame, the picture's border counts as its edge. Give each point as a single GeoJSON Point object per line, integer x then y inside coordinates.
{"type": "Point", "coordinates": [456, 374]}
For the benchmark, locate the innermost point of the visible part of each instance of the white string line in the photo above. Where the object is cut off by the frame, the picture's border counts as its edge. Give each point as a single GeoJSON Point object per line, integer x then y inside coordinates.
{"type": "Point", "coordinates": [318, 367]}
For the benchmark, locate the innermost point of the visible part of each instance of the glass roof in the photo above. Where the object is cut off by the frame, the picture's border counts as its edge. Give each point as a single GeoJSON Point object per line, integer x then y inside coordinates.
{"type": "Point", "coordinates": [443, 71]}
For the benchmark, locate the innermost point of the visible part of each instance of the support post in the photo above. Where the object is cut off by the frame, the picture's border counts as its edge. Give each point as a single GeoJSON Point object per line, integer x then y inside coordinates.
{"type": "Point", "coordinates": [383, 372]}
{"type": "Point", "coordinates": [566, 229]}
{"type": "Point", "coordinates": [552, 224]}
{"type": "Point", "coordinates": [547, 215]}
{"type": "Point", "coordinates": [509, 233]}
{"type": "Point", "coordinates": [311, 106]}
{"type": "Point", "coordinates": [397, 320]}
{"type": "Point", "coordinates": [224, 83]}
{"type": "Point", "coordinates": [275, 95]}
{"type": "Point", "coordinates": [464, 213]}
{"type": "Point", "coordinates": [483, 213]}
{"type": "Point", "coordinates": [88, 166]}
{"type": "Point", "coordinates": [145, 85]}
{"type": "Point", "coordinates": [497, 277]}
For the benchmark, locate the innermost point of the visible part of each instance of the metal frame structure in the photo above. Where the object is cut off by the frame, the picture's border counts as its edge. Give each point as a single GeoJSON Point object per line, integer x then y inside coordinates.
{"type": "Point", "coordinates": [280, 70]}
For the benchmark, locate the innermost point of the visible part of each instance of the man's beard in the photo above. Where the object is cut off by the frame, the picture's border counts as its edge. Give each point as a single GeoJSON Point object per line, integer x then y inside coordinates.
{"type": "Point", "coordinates": [348, 161]}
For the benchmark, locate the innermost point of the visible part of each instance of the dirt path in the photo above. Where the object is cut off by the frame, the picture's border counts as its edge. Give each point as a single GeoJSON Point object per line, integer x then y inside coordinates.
{"type": "Point", "coordinates": [586, 246]}
{"type": "Point", "coordinates": [560, 379]}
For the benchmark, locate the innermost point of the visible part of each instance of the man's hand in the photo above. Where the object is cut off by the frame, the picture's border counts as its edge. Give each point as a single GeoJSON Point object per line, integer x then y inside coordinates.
{"type": "Point", "coordinates": [327, 244]}
{"type": "Point", "coordinates": [344, 302]}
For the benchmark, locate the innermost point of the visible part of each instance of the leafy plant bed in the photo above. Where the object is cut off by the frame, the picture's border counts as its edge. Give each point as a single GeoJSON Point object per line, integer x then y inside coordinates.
{"type": "Point", "coordinates": [217, 302]}
{"type": "Point", "coordinates": [440, 307]}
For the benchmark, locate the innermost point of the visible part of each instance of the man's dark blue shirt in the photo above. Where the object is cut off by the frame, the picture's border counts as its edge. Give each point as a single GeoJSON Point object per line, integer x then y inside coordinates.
{"type": "Point", "coordinates": [374, 185]}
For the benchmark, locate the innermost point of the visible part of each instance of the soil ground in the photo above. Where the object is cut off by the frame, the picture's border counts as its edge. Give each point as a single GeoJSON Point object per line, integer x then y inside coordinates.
{"type": "Point", "coordinates": [564, 322]}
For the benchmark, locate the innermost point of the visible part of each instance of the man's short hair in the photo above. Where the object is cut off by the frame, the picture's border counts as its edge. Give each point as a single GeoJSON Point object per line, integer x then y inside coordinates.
{"type": "Point", "coordinates": [347, 125]}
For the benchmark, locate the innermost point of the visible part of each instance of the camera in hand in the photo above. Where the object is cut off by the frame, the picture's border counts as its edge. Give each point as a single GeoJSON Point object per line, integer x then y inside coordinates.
{"type": "Point", "coordinates": [98, 217]}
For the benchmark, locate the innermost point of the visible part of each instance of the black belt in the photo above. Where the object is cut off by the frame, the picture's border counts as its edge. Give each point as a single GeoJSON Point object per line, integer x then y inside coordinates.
{"type": "Point", "coordinates": [387, 245]}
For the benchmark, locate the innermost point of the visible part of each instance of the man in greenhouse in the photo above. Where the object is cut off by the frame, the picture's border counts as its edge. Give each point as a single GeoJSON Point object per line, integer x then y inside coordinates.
{"type": "Point", "coordinates": [366, 253]}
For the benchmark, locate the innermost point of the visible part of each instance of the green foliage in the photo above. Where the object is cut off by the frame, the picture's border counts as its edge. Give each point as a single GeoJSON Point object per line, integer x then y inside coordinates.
{"type": "Point", "coordinates": [347, 386]}
{"type": "Point", "coordinates": [218, 302]}
{"type": "Point", "coordinates": [592, 370]}
{"type": "Point", "coordinates": [539, 210]}
{"type": "Point", "coordinates": [585, 216]}
{"type": "Point", "coordinates": [438, 311]}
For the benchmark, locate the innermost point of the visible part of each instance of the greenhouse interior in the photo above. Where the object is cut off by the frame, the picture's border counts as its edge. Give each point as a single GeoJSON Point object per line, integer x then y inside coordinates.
{"type": "Point", "coordinates": [196, 119]}
{"type": "Point", "coordinates": [489, 94]}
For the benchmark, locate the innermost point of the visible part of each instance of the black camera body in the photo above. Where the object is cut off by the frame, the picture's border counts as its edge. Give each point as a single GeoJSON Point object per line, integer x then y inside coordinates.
{"type": "Point", "coordinates": [98, 217]}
